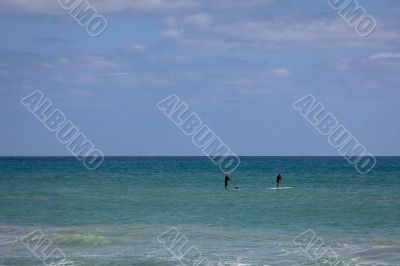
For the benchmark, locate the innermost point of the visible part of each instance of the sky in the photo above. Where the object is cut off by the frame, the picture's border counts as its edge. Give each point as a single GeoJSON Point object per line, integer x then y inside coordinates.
{"type": "Point", "coordinates": [239, 65]}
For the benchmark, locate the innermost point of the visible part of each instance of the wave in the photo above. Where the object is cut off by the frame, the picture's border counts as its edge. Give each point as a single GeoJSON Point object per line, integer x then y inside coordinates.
{"type": "Point", "coordinates": [79, 239]}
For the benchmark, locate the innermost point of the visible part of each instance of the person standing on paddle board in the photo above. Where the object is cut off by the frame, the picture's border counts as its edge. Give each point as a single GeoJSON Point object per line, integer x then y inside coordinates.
{"type": "Point", "coordinates": [278, 180]}
{"type": "Point", "coordinates": [227, 179]}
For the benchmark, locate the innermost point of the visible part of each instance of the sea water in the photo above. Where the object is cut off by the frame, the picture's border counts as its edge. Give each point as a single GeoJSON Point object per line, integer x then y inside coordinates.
{"type": "Point", "coordinates": [116, 214]}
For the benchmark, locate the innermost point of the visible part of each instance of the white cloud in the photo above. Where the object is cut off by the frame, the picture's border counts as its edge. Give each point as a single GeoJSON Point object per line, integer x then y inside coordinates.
{"type": "Point", "coordinates": [315, 31]}
{"type": "Point", "coordinates": [110, 6]}
{"type": "Point", "coordinates": [280, 73]}
{"type": "Point", "coordinates": [240, 3]}
{"type": "Point", "coordinates": [375, 61]}
{"type": "Point", "coordinates": [280, 33]}
{"type": "Point", "coordinates": [136, 48]}
{"type": "Point", "coordinates": [385, 56]}
{"type": "Point", "coordinates": [145, 5]}
{"type": "Point", "coordinates": [119, 74]}
{"type": "Point", "coordinates": [172, 33]}
{"type": "Point", "coordinates": [387, 60]}
{"type": "Point", "coordinates": [40, 7]}
{"type": "Point", "coordinates": [170, 21]}
{"type": "Point", "coordinates": [105, 6]}
{"type": "Point", "coordinates": [199, 19]}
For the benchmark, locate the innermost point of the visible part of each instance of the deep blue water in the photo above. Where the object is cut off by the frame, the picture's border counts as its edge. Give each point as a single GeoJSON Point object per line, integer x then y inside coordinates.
{"type": "Point", "coordinates": [112, 216]}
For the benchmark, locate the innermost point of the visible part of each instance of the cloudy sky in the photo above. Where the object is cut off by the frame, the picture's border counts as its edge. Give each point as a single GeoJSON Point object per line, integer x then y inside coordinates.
{"type": "Point", "coordinates": [238, 64]}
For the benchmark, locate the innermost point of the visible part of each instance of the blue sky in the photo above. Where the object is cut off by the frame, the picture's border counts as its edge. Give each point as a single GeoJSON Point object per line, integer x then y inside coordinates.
{"type": "Point", "coordinates": [238, 64]}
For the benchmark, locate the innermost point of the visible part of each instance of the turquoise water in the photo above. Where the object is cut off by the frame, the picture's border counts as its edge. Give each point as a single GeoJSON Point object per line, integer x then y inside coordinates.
{"type": "Point", "coordinates": [112, 216]}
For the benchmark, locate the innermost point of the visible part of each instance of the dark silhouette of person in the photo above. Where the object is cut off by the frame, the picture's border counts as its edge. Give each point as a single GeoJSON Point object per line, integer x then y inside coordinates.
{"type": "Point", "coordinates": [278, 180]}
{"type": "Point", "coordinates": [227, 179]}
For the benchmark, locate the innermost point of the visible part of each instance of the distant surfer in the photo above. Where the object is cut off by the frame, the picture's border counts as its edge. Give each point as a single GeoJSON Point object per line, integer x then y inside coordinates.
{"type": "Point", "coordinates": [278, 180]}
{"type": "Point", "coordinates": [227, 179]}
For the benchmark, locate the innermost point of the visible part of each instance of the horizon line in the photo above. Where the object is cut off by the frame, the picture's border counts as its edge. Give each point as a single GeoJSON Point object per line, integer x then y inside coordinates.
{"type": "Point", "coordinates": [198, 156]}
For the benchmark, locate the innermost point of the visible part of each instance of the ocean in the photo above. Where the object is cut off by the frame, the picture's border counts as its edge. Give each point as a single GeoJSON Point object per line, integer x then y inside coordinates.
{"type": "Point", "coordinates": [176, 211]}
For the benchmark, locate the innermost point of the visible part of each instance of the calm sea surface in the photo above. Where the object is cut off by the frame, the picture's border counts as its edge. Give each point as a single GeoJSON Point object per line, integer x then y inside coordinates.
{"type": "Point", "coordinates": [113, 216]}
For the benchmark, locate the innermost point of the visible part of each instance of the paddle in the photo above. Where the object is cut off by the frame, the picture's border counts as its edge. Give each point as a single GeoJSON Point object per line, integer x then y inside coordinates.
{"type": "Point", "coordinates": [234, 185]}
